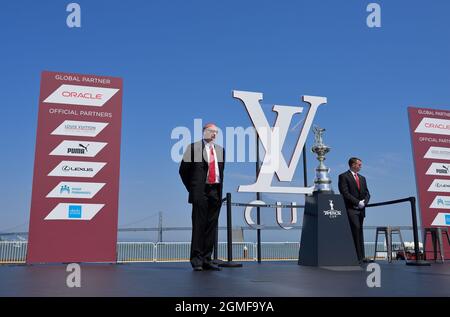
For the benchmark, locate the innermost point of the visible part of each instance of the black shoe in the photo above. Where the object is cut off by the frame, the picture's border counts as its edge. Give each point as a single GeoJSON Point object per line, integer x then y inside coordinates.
{"type": "Point", "coordinates": [197, 268]}
{"type": "Point", "coordinates": [211, 267]}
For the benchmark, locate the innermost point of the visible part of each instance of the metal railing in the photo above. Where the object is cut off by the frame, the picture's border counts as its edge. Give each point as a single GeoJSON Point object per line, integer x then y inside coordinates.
{"type": "Point", "coordinates": [14, 252]}
{"type": "Point", "coordinates": [279, 251]}
{"type": "Point", "coordinates": [172, 251]}
{"type": "Point", "coordinates": [242, 251]}
{"type": "Point", "coordinates": [411, 200]}
{"type": "Point", "coordinates": [135, 252]}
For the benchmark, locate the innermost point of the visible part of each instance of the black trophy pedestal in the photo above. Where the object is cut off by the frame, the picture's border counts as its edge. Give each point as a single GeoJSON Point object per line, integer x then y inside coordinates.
{"type": "Point", "coordinates": [326, 235]}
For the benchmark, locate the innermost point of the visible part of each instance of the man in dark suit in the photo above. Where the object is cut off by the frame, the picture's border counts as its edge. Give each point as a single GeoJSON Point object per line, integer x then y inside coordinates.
{"type": "Point", "coordinates": [201, 171]}
{"type": "Point", "coordinates": [353, 188]}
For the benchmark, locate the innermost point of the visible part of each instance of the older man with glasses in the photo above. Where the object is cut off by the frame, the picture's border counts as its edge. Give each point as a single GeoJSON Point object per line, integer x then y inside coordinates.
{"type": "Point", "coordinates": [201, 171]}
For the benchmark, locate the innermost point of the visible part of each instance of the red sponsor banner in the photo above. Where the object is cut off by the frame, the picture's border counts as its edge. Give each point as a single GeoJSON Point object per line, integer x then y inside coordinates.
{"type": "Point", "coordinates": [430, 138]}
{"type": "Point", "coordinates": [74, 205]}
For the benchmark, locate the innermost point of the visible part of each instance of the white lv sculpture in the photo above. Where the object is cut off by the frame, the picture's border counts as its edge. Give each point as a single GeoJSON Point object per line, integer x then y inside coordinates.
{"type": "Point", "coordinates": [273, 138]}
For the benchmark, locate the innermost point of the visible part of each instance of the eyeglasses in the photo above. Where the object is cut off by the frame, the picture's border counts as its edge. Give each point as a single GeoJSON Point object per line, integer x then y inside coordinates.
{"type": "Point", "coordinates": [212, 131]}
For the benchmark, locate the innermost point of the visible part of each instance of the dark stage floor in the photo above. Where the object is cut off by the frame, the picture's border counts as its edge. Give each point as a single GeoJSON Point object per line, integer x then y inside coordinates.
{"type": "Point", "coordinates": [269, 279]}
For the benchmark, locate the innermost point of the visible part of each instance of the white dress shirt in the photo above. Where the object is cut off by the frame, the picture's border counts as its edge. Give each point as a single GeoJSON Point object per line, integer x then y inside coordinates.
{"type": "Point", "coordinates": [361, 203]}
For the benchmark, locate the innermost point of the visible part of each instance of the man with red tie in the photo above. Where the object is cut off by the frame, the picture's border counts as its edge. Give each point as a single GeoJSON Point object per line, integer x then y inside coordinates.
{"type": "Point", "coordinates": [201, 171]}
{"type": "Point", "coordinates": [353, 188]}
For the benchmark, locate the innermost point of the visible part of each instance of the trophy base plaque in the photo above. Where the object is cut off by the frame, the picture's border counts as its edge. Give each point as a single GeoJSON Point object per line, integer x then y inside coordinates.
{"type": "Point", "coordinates": [326, 239]}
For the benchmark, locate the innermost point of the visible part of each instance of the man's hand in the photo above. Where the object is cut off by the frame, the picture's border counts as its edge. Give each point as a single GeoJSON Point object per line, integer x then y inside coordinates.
{"type": "Point", "coordinates": [361, 204]}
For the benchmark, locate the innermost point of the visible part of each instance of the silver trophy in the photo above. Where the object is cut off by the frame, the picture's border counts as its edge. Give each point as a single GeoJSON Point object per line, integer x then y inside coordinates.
{"type": "Point", "coordinates": [321, 183]}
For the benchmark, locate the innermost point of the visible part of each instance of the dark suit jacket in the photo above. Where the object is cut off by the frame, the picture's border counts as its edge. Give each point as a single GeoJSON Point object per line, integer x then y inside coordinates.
{"type": "Point", "coordinates": [352, 195]}
{"type": "Point", "coordinates": [194, 169]}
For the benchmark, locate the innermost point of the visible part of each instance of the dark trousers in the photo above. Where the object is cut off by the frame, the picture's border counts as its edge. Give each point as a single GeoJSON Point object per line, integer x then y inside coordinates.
{"type": "Point", "coordinates": [205, 215]}
{"type": "Point", "coordinates": [356, 220]}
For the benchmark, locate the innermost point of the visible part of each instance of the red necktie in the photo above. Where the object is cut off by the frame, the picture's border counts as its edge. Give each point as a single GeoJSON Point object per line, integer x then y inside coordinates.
{"type": "Point", "coordinates": [212, 166]}
{"type": "Point", "coordinates": [357, 181]}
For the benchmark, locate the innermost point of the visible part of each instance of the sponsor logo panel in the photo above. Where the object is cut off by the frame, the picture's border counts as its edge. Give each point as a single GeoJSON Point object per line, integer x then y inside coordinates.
{"type": "Point", "coordinates": [81, 95]}
{"type": "Point", "coordinates": [75, 190]}
{"type": "Point", "coordinates": [433, 126]}
{"type": "Point", "coordinates": [440, 185]}
{"type": "Point", "coordinates": [440, 153]}
{"type": "Point", "coordinates": [80, 128]}
{"type": "Point", "coordinates": [440, 169]}
{"type": "Point", "coordinates": [78, 148]}
{"type": "Point", "coordinates": [77, 169]}
{"type": "Point", "coordinates": [74, 211]}
{"type": "Point", "coordinates": [441, 202]}
{"type": "Point", "coordinates": [441, 219]}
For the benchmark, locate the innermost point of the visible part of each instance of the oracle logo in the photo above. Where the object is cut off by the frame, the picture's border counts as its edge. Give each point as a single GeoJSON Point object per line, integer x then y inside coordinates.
{"type": "Point", "coordinates": [87, 95]}
{"type": "Point", "coordinates": [437, 126]}
{"type": "Point", "coordinates": [433, 126]}
{"type": "Point", "coordinates": [81, 95]}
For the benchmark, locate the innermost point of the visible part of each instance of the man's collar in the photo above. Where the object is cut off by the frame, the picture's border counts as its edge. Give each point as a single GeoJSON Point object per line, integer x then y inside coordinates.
{"type": "Point", "coordinates": [208, 144]}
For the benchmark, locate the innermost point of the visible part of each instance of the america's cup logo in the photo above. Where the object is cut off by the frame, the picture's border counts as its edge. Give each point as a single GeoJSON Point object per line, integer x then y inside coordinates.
{"type": "Point", "coordinates": [332, 213]}
{"type": "Point", "coordinates": [273, 138]}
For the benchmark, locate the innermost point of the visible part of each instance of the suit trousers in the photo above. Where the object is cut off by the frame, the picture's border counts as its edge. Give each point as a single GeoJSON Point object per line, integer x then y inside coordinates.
{"type": "Point", "coordinates": [356, 220]}
{"type": "Point", "coordinates": [205, 215]}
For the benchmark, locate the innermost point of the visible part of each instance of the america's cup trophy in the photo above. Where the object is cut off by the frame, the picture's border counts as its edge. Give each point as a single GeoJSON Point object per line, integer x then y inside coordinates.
{"type": "Point", "coordinates": [322, 182]}
{"type": "Point", "coordinates": [326, 236]}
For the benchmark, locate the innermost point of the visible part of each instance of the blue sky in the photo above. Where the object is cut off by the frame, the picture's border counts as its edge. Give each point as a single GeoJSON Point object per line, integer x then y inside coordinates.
{"type": "Point", "coordinates": [180, 60]}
